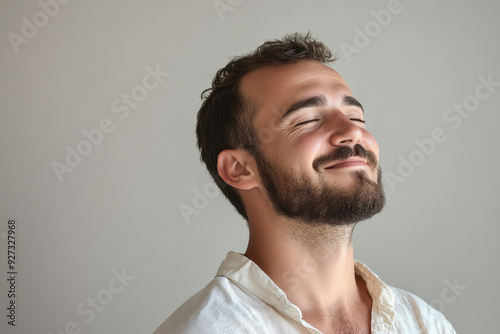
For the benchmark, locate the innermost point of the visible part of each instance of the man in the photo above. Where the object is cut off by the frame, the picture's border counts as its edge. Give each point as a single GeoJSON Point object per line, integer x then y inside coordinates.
{"type": "Point", "coordinates": [285, 140]}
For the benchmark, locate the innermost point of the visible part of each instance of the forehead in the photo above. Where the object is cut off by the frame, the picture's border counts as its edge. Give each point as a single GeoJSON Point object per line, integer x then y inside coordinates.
{"type": "Point", "coordinates": [276, 87]}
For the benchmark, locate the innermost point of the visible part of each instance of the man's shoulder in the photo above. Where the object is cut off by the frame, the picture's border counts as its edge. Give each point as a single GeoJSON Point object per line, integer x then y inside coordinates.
{"type": "Point", "coordinates": [211, 310]}
{"type": "Point", "coordinates": [411, 308]}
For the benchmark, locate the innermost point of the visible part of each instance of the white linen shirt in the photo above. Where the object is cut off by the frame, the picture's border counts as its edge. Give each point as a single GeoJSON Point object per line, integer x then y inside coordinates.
{"type": "Point", "coordinates": [243, 299]}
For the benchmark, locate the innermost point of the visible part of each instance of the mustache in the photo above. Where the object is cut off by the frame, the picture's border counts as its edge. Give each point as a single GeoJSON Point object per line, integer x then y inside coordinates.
{"type": "Point", "coordinates": [344, 152]}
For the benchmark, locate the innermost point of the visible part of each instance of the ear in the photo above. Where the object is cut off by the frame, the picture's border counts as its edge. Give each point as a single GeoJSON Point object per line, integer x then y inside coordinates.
{"type": "Point", "coordinates": [238, 169]}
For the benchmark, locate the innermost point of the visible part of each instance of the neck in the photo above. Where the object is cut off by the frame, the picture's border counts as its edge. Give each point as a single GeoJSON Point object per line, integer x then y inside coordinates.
{"type": "Point", "coordinates": [314, 266]}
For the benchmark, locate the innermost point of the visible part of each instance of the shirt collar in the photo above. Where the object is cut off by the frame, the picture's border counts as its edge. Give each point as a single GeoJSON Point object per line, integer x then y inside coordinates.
{"type": "Point", "coordinates": [383, 313]}
{"type": "Point", "coordinates": [248, 276]}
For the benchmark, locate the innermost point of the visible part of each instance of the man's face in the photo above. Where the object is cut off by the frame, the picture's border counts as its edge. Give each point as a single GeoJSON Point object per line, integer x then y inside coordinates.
{"type": "Point", "coordinates": [316, 159]}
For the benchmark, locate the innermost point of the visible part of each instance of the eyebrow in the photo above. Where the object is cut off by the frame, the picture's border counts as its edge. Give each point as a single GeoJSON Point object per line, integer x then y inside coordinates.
{"type": "Point", "coordinates": [315, 101]}
{"type": "Point", "coordinates": [319, 101]}
{"type": "Point", "coordinates": [351, 101]}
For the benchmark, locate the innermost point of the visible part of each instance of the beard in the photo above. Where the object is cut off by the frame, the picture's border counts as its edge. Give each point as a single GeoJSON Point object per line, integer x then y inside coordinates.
{"type": "Point", "coordinates": [298, 197]}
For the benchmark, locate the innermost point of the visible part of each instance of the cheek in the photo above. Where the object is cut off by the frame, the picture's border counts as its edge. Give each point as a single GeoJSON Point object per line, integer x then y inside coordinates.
{"type": "Point", "coordinates": [298, 153]}
{"type": "Point", "coordinates": [308, 145]}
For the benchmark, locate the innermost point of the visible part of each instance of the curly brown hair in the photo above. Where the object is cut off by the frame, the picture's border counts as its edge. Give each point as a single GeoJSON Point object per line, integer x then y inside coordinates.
{"type": "Point", "coordinates": [225, 119]}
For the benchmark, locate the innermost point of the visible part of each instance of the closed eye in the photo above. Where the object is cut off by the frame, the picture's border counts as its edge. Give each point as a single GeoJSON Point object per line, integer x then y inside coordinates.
{"type": "Point", "coordinates": [306, 122]}
{"type": "Point", "coordinates": [357, 120]}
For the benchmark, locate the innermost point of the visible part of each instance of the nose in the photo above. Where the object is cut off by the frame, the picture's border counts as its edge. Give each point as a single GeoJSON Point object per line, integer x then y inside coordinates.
{"type": "Point", "coordinates": [344, 132]}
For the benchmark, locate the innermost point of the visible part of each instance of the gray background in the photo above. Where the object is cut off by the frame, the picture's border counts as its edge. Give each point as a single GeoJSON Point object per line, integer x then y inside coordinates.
{"type": "Point", "coordinates": [119, 208]}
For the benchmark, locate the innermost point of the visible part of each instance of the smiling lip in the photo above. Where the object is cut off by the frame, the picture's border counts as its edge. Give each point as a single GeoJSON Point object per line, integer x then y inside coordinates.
{"type": "Point", "coordinates": [350, 162]}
